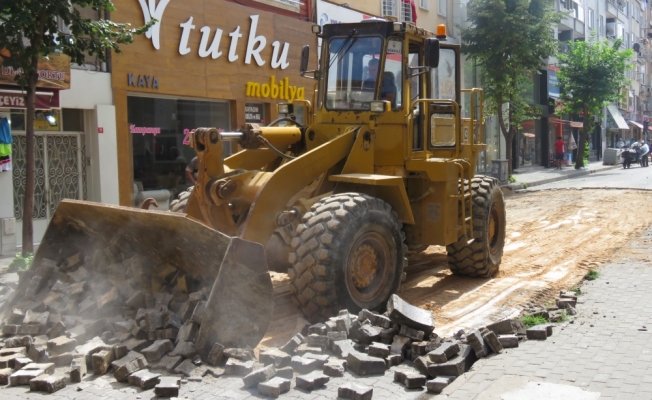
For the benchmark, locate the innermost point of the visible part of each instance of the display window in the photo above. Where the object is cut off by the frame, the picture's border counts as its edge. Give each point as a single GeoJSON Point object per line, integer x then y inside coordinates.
{"type": "Point", "coordinates": [160, 129]}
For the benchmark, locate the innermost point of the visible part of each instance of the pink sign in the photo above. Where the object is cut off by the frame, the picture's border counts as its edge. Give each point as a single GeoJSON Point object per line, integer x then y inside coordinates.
{"type": "Point", "coordinates": [144, 130]}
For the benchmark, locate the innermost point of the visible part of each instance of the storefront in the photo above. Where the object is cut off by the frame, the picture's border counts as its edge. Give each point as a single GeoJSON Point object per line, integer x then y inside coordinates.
{"type": "Point", "coordinates": [205, 63]}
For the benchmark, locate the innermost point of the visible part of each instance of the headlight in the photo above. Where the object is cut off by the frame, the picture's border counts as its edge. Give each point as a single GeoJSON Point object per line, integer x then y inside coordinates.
{"type": "Point", "coordinates": [285, 108]}
{"type": "Point", "coordinates": [379, 106]}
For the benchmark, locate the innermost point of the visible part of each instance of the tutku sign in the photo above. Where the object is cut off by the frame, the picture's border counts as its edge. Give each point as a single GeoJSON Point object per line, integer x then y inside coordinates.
{"type": "Point", "coordinates": [255, 43]}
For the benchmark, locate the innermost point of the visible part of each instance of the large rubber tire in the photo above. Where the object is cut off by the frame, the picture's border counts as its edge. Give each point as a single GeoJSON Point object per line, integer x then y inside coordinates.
{"type": "Point", "coordinates": [181, 202]}
{"type": "Point", "coordinates": [481, 258]}
{"type": "Point", "coordinates": [349, 253]}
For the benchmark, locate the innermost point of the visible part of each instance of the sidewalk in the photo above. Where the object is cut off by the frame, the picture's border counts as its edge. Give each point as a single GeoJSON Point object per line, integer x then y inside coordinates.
{"type": "Point", "coordinates": [604, 352]}
{"type": "Point", "coordinates": [534, 176]}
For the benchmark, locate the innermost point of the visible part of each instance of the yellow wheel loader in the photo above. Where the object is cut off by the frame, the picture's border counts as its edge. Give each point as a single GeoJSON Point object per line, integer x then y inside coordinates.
{"type": "Point", "coordinates": [384, 162]}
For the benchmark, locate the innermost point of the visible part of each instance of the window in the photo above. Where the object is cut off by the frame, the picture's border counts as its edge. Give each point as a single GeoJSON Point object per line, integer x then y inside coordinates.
{"type": "Point", "coordinates": [443, 82]}
{"type": "Point", "coordinates": [389, 8]}
{"type": "Point", "coordinates": [425, 4]}
{"type": "Point", "coordinates": [442, 7]}
{"type": "Point", "coordinates": [590, 21]}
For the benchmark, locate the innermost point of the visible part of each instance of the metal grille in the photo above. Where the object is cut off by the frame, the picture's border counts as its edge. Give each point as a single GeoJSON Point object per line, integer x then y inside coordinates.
{"type": "Point", "coordinates": [406, 11]}
{"type": "Point", "coordinates": [389, 8]}
{"type": "Point", "coordinates": [59, 168]}
{"type": "Point", "coordinates": [19, 149]}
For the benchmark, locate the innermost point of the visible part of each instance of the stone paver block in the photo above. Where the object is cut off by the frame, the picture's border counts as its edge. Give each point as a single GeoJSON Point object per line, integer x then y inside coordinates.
{"type": "Point", "coordinates": [23, 377]}
{"type": "Point", "coordinates": [259, 375]}
{"type": "Point", "coordinates": [157, 350]}
{"type": "Point", "coordinates": [293, 343]}
{"type": "Point", "coordinates": [240, 354]}
{"type": "Point", "coordinates": [457, 365]}
{"type": "Point", "coordinates": [492, 341]}
{"type": "Point", "coordinates": [168, 386]}
{"type": "Point", "coordinates": [9, 329]}
{"type": "Point", "coordinates": [444, 352]}
{"type": "Point", "coordinates": [4, 375]}
{"type": "Point", "coordinates": [78, 369]}
{"type": "Point", "coordinates": [47, 383]}
{"type": "Point", "coordinates": [321, 358]}
{"type": "Point", "coordinates": [185, 349]}
{"type": "Point", "coordinates": [475, 340]}
{"type": "Point", "coordinates": [315, 340]}
{"type": "Point", "coordinates": [400, 344]}
{"type": "Point", "coordinates": [127, 365]}
{"type": "Point", "coordinates": [48, 368]}
{"type": "Point", "coordinates": [20, 362]}
{"type": "Point", "coordinates": [238, 368]}
{"type": "Point", "coordinates": [375, 318]}
{"type": "Point", "coordinates": [421, 364]}
{"type": "Point", "coordinates": [361, 364]}
{"type": "Point", "coordinates": [285, 372]}
{"type": "Point", "coordinates": [507, 327]}
{"type": "Point", "coordinates": [144, 379]}
{"type": "Point", "coordinates": [335, 368]}
{"type": "Point", "coordinates": [102, 362]}
{"type": "Point", "coordinates": [302, 365]}
{"type": "Point", "coordinates": [57, 330]}
{"type": "Point", "coordinates": [439, 383]}
{"type": "Point", "coordinates": [8, 351]}
{"type": "Point", "coordinates": [508, 341]}
{"type": "Point", "coordinates": [380, 350]}
{"type": "Point", "coordinates": [393, 359]}
{"type": "Point", "coordinates": [186, 368]}
{"type": "Point", "coordinates": [61, 360]}
{"type": "Point", "coordinates": [312, 381]}
{"type": "Point", "coordinates": [355, 391]}
{"type": "Point", "coordinates": [274, 387]}
{"type": "Point", "coordinates": [342, 348]}
{"type": "Point", "coordinates": [368, 334]}
{"type": "Point", "coordinates": [413, 334]}
{"type": "Point", "coordinates": [167, 363]}
{"type": "Point", "coordinates": [216, 355]}
{"type": "Point", "coordinates": [276, 357]}
{"type": "Point", "coordinates": [404, 313]}
{"type": "Point", "coordinates": [537, 333]}
{"type": "Point", "coordinates": [317, 329]}
{"type": "Point", "coordinates": [409, 379]}
{"type": "Point", "coordinates": [335, 336]}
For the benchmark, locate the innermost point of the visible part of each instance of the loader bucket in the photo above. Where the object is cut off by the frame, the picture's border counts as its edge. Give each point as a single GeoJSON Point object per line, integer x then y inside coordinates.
{"type": "Point", "coordinates": [240, 305]}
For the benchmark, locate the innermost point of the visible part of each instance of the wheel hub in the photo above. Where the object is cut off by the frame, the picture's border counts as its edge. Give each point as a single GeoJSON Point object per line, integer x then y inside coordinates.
{"type": "Point", "coordinates": [368, 266]}
{"type": "Point", "coordinates": [364, 266]}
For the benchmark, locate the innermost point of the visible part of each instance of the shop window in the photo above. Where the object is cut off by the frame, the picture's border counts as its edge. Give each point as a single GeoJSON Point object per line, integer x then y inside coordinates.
{"type": "Point", "coordinates": [17, 120]}
{"type": "Point", "coordinates": [160, 129]}
{"type": "Point", "coordinates": [73, 120]}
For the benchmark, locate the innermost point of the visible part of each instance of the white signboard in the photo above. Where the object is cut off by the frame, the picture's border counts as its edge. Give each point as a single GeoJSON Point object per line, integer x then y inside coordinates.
{"type": "Point", "coordinates": [328, 13]}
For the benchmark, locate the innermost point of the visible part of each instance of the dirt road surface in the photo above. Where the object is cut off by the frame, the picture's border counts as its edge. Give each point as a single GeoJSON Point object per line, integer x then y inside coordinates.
{"type": "Point", "coordinates": [553, 239]}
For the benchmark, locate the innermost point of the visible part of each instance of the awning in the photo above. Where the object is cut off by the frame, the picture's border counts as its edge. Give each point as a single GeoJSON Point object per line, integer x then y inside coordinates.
{"type": "Point", "coordinates": [45, 100]}
{"type": "Point", "coordinates": [618, 117]}
{"type": "Point", "coordinates": [636, 124]}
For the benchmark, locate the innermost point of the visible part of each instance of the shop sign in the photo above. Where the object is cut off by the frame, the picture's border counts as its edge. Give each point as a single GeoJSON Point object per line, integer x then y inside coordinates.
{"type": "Point", "coordinates": [254, 113]}
{"type": "Point", "coordinates": [146, 81]}
{"type": "Point", "coordinates": [553, 84]}
{"type": "Point", "coordinates": [44, 101]}
{"type": "Point", "coordinates": [53, 72]}
{"type": "Point", "coordinates": [275, 90]}
{"type": "Point", "coordinates": [144, 130]}
{"type": "Point", "coordinates": [255, 43]}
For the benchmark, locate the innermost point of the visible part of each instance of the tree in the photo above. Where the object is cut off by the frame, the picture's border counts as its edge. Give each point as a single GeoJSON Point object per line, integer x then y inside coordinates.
{"type": "Point", "coordinates": [28, 32]}
{"type": "Point", "coordinates": [591, 75]}
{"type": "Point", "coordinates": [509, 40]}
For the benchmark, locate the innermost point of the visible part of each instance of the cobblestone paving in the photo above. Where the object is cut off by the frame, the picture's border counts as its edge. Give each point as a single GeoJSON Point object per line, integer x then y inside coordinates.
{"type": "Point", "coordinates": [607, 349]}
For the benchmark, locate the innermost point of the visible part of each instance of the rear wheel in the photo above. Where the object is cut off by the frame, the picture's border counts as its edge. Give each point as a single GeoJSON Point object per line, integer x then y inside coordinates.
{"type": "Point", "coordinates": [481, 257]}
{"type": "Point", "coordinates": [181, 202]}
{"type": "Point", "coordinates": [348, 253]}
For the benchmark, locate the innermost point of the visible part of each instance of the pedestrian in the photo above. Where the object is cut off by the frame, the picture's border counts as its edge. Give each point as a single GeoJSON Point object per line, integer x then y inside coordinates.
{"type": "Point", "coordinates": [560, 150]}
{"type": "Point", "coordinates": [620, 143]}
{"type": "Point", "coordinates": [191, 170]}
{"type": "Point", "coordinates": [645, 151]}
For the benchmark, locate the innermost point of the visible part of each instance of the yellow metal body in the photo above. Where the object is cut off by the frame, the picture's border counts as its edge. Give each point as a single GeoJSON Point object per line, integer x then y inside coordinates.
{"type": "Point", "coordinates": [267, 187]}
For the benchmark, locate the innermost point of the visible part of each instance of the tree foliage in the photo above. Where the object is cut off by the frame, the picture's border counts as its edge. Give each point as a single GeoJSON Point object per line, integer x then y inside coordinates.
{"type": "Point", "coordinates": [591, 75]}
{"type": "Point", "coordinates": [509, 40]}
{"type": "Point", "coordinates": [29, 31]}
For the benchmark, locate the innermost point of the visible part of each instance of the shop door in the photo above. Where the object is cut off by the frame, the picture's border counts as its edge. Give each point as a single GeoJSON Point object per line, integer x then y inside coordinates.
{"type": "Point", "coordinates": [60, 173]}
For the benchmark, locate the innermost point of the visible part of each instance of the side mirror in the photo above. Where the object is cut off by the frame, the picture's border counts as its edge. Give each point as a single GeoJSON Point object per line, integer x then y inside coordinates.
{"type": "Point", "coordinates": [432, 52]}
{"type": "Point", "coordinates": [305, 56]}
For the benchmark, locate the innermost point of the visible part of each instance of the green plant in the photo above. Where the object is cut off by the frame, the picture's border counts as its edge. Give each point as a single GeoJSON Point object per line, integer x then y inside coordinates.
{"type": "Point", "coordinates": [564, 316]}
{"type": "Point", "coordinates": [20, 263]}
{"type": "Point", "coordinates": [525, 186]}
{"type": "Point", "coordinates": [512, 179]}
{"type": "Point", "coordinates": [592, 275]}
{"type": "Point", "coordinates": [576, 290]}
{"type": "Point", "coordinates": [531, 320]}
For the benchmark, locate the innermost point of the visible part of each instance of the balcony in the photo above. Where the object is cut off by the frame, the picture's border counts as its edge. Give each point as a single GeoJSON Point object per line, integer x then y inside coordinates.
{"type": "Point", "coordinates": [616, 8]}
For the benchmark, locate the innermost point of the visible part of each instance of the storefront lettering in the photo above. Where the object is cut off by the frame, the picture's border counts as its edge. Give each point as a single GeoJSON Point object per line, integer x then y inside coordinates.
{"type": "Point", "coordinates": [147, 81]}
{"type": "Point", "coordinates": [255, 44]}
{"type": "Point", "coordinates": [153, 11]}
{"type": "Point", "coordinates": [144, 130]}
{"type": "Point", "coordinates": [15, 101]}
{"type": "Point", "coordinates": [282, 90]}
{"type": "Point", "coordinates": [42, 73]}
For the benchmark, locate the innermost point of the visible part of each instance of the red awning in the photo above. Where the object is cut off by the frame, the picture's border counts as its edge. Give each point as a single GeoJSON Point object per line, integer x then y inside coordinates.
{"type": "Point", "coordinates": [45, 100]}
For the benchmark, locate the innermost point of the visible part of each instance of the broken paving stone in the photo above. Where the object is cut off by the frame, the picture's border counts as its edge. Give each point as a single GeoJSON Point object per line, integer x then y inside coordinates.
{"type": "Point", "coordinates": [444, 352]}
{"type": "Point", "coordinates": [421, 364]}
{"type": "Point", "coordinates": [216, 355]}
{"type": "Point", "coordinates": [321, 358]}
{"type": "Point", "coordinates": [393, 359]}
{"type": "Point", "coordinates": [409, 379]}
{"type": "Point", "coordinates": [30, 329]}
{"type": "Point", "coordinates": [23, 377]}
{"type": "Point", "coordinates": [17, 316]}
{"type": "Point", "coordinates": [411, 333]}
{"type": "Point", "coordinates": [318, 329]}
{"type": "Point", "coordinates": [311, 381]}
{"type": "Point", "coordinates": [334, 337]}
{"type": "Point", "coordinates": [276, 357]}
{"type": "Point", "coordinates": [187, 332]}
{"type": "Point", "coordinates": [274, 387]}
{"type": "Point", "coordinates": [492, 341]}
{"type": "Point", "coordinates": [293, 343]}
{"type": "Point", "coordinates": [185, 349]}
{"type": "Point", "coordinates": [48, 368]}
{"type": "Point", "coordinates": [400, 344]}
{"type": "Point", "coordinates": [475, 340]}
{"type": "Point", "coordinates": [538, 332]}
{"type": "Point", "coordinates": [9, 329]}
{"type": "Point", "coordinates": [185, 368]}
{"type": "Point", "coordinates": [162, 334]}
{"type": "Point", "coordinates": [378, 350]}
{"type": "Point", "coordinates": [342, 348]}
{"type": "Point", "coordinates": [238, 368]}
{"type": "Point", "coordinates": [456, 365]}
{"type": "Point", "coordinates": [361, 364]}
{"type": "Point", "coordinates": [168, 386]}
{"type": "Point", "coordinates": [404, 313]}
{"type": "Point", "coordinates": [144, 379]}
{"type": "Point", "coordinates": [20, 362]}
{"type": "Point", "coordinates": [78, 369]}
{"type": "Point", "coordinates": [102, 362]}
{"type": "Point", "coordinates": [61, 360]}
{"type": "Point", "coordinates": [127, 365]}
{"type": "Point", "coordinates": [7, 351]}
{"type": "Point", "coordinates": [38, 353]}
{"type": "Point", "coordinates": [304, 348]}
{"type": "Point", "coordinates": [335, 368]}
{"type": "Point", "coordinates": [167, 363]}
{"type": "Point", "coordinates": [198, 312]}
{"type": "Point", "coordinates": [439, 383]}
{"type": "Point", "coordinates": [57, 330]}
{"type": "Point", "coordinates": [157, 350]}
{"type": "Point", "coordinates": [317, 340]}
{"type": "Point", "coordinates": [376, 319]}
{"type": "Point", "coordinates": [4, 375]}
{"type": "Point", "coordinates": [302, 365]}
{"type": "Point", "coordinates": [355, 391]}
{"type": "Point", "coordinates": [259, 375]}
{"type": "Point", "coordinates": [507, 327]}
{"type": "Point", "coordinates": [47, 383]}
{"type": "Point", "coordinates": [61, 344]}
{"type": "Point", "coordinates": [285, 372]}
{"type": "Point", "coordinates": [387, 335]}
{"type": "Point", "coordinates": [368, 334]}
{"type": "Point", "coordinates": [240, 354]}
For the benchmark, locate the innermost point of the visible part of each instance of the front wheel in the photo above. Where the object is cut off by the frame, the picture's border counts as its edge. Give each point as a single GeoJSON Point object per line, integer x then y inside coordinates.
{"type": "Point", "coordinates": [348, 254]}
{"type": "Point", "coordinates": [482, 256]}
